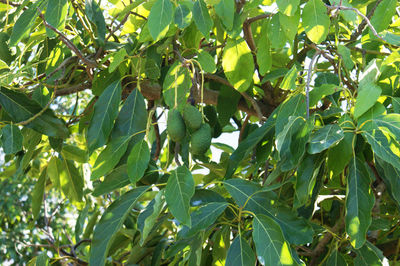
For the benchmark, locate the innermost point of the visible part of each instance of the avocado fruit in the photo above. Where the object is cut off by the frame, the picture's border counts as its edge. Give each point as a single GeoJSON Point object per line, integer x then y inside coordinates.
{"type": "Point", "coordinates": [175, 125]}
{"type": "Point", "coordinates": [200, 140]}
{"type": "Point", "coordinates": [192, 117]}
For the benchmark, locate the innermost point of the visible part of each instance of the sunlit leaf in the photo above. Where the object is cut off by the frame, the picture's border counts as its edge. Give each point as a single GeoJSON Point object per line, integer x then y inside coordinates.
{"type": "Point", "coordinates": [316, 21]}
{"type": "Point", "coordinates": [56, 15]}
{"type": "Point", "coordinates": [238, 64]}
{"type": "Point", "coordinates": [271, 246]}
{"type": "Point", "coordinates": [159, 19]}
{"type": "Point", "coordinates": [288, 7]}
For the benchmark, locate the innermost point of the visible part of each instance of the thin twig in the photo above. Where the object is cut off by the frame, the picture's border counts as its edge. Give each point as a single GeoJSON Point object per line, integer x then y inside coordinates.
{"type": "Point", "coordinates": [242, 129]}
{"type": "Point", "coordinates": [10, 3]}
{"type": "Point", "coordinates": [362, 25]}
{"type": "Point", "coordinates": [309, 72]}
{"type": "Point", "coordinates": [361, 15]}
{"type": "Point", "coordinates": [319, 249]}
{"type": "Point", "coordinates": [68, 43]}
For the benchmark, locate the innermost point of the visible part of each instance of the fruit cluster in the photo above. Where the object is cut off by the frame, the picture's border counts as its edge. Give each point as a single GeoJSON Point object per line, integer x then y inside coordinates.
{"type": "Point", "coordinates": [192, 120]}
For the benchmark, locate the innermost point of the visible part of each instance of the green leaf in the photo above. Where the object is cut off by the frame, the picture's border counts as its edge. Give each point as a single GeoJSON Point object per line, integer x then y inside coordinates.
{"type": "Point", "coordinates": [396, 104]}
{"type": "Point", "coordinates": [178, 192]}
{"type": "Point", "coordinates": [205, 196]}
{"type": "Point", "coordinates": [109, 157]}
{"type": "Point", "coordinates": [248, 194]}
{"type": "Point", "coordinates": [368, 255]}
{"type": "Point", "coordinates": [205, 216]}
{"type": "Point", "coordinates": [95, 15]}
{"type": "Point", "coordinates": [294, 106]}
{"type": "Point", "coordinates": [324, 138]}
{"type": "Point", "coordinates": [359, 202]}
{"type": "Point", "coordinates": [288, 7]}
{"type": "Point", "coordinates": [37, 194]}
{"type": "Point", "coordinates": [148, 217]}
{"type": "Point", "coordinates": [225, 10]}
{"type": "Point", "coordinates": [24, 24]}
{"type": "Point", "coordinates": [384, 146]}
{"type": "Point", "coordinates": [238, 64]}
{"type": "Point", "coordinates": [346, 56]}
{"type": "Point", "coordinates": [271, 246]}
{"type": "Point", "coordinates": [316, 21]}
{"type": "Point", "coordinates": [54, 170]}
{"type": "Point", "coordinates": [159, 19]}
{"type": "Point", "coordinates": [248, 144]}
{"type": "Point", "coordinates": [202, 18]}
{"type": "Point", "coordinates": [105, 111]}
{"type": "Point", "coordinates": [264, 55]}
{"type": "Point", "coordinates": [73, 153]}
{"type": "Point", "coordinates": [389, 123]}
{"type": "Point", "coordinates": [132, 118]}
{"type": "Point", "coordinates": [20, 108]}
{"type": "Point", "coordinates": [391, 177]}
{"type": "Point", "coordinates": [383, 14]}
{"type": "Point", "coordinates": [290, 143]}
{"type": "Point", "coordinates": [348, 15]}
{"type": "Point", "coordinates": [117, 58]}
{"type": "Point", "coordinates": [367, 95]}
{"type": "Point", "coordinates": [340, 155]}
{"type": "Point", "coordinates": [56, 15]}
{"type": "Point", "coordinates": [138, 161]}
{"type": "Point", "coordinates": [182, 82]}
{"type": "Point", "coordinates": [182, 16]}
{"type": "Point", "coordinates": [336, 259]}
{"type": "Point", "coordinates": [290, 24]}
{"type": "Point", "coordinates": [71, 181]}
{"type": "Point", "coordinates": [240, 253]}
{"type": "Point", "coordinates": [207, 62]}
{"type": "Point", "coordinates": [228, 99]}
{"type": "Point", "coordinates": [393, 39]}
{"type": "Point", "coordinates": [110, 223]}
{"type": "Point", "coordinates": [320, 92]}
{"type": "Point", "coordinates": [117, 178]}
{"type": "Point", "coordinates": [11, 139]}
{"type": "Point", "coordinates": [276, 34]}
{"type": "Point", "coordinates": [305, 180]}
{"type": "Point", "coordinates": [289, 81]}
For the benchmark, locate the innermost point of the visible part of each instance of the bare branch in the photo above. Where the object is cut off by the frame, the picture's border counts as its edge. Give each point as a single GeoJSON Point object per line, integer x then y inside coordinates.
{"type": "Point", "coordinates": [362, 25]}
{"type": "Point", "coordinates": [68, 43]}
{"type": "Point", "coordinates": [10, 3]}
{"type": "Point", "coordinates": [361, 15]}
{"type": "Point", "coordinates": [309, 72]}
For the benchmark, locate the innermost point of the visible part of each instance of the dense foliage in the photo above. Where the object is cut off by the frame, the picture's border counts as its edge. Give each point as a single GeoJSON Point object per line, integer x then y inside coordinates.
{"type": "Point", "coordinates": [110, 113]}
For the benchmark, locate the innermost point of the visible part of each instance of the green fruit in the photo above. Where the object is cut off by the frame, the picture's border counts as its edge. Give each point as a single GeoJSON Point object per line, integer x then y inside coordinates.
{"type": "Point", "coordinates": [192, 117]}
{"type": "Point", "coordinates": [201, 140]}
{"type": "Point", "coordinates": [175, 125]}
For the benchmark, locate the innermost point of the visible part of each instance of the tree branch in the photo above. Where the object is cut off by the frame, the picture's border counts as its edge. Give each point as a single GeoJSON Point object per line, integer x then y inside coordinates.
{"type": "Point", "coordinates": [68, 43]}
{"type": "Point", "coordinates": [363, 23]}
{"type": "Point", "coordinates": [366, 19]}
